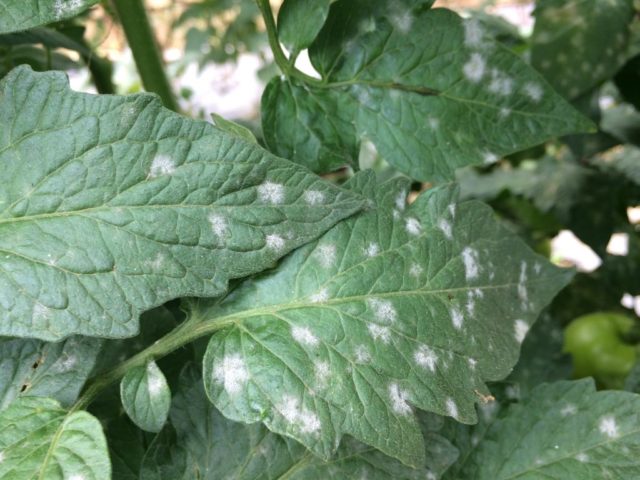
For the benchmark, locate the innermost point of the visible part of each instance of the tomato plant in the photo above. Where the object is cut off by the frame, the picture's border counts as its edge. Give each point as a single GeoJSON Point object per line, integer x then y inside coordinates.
{"type": "Point", "coordinates": [348, 287]}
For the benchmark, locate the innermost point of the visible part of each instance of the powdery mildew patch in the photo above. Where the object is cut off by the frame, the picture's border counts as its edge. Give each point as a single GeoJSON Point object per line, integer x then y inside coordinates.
{"type": "Point", "coordinates": [271, 192]}
{"type": "Point", "coordinates": [291, 410]}
{"type": "Point", "coordinates": [161, 165]}
{"type": "Point", "coordinates": [232, 373]}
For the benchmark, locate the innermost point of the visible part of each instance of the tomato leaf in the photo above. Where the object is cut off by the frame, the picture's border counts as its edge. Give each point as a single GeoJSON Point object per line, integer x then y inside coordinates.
{"type": "Point", "coordinates": [146, 397]}
{"type": "Point", "coordinates": [18, 15]}
{"type": "Point", "coordinates": [299, 21]}
{"type": "Point", "coordinates": [112, 205]}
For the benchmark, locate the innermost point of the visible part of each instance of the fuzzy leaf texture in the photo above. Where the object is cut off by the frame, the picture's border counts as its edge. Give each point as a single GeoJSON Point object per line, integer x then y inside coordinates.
{"type": "Point", "coordinates": [40, 440]}
{"type": "Point", "coordinates": [399, 307]}
{"type": "Point", "coordinates": [111, 205]}
{"type": "Point", "coordinates": [197, 445]}
{"type": "Point", "coordinates": [146, 397]}
{"type": "Point", "coordinates": [431, 91]}
{"type": "Point", "coordinates": [16, 15]}
{"type": "Point", "coordinates": [578, 44]}
{"type": "Point", "coordinates": [35, 368]}
{"type": "Point", "coordinates": [562, 430]}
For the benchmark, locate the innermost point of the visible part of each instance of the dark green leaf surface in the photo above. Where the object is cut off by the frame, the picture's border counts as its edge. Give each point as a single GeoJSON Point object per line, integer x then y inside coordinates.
{"type": "Point", "coordinates": [299, 21]}
{"type": "Point", "coordinates": [563, 430]}
{"type": "Point", "coordinates": [40, 440]}
{"type": "Point", "coordinates": [146, 397]}
{"type": "Point", "coordinates": [112, 205]}
{"type": "Point", "coordinates": [18, 15]}
{"type": "Point", "coordinates": [400, 307]}
{"type": "Point", "coordinates": [198, 445]}
{"type": "Point", "coordinates": [41, 369]}
{"type": "Point", "coordinates": [577, 44]}
{"type": "Point", "coordinates": [432, 92]}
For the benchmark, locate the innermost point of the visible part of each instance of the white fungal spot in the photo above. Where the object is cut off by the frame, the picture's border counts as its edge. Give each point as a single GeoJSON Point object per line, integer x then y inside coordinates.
{"type": "Point", "coordinates": [383, 310]}
{"type": "Point", "coordinates": [326, 255]}
{"type": "Point", "coordinates": [471, 303]}
{"type": "Point", "coordinates": [505, 112]}
{"type": "Point", "coordinates": [522, 287]}
{"type": "Point", "coordinates": [156, 382]}
{"type": "Point", "coordinates": [372, 249]}
{"type": "Point", "coordinates": [452, 209]}
{"type": "Point", "coordinates": [322, 371]}
{"type": "Point", "coordinates": [219, 225]}
{"type": "Point", "coordinates": [456, 318]}
{"type": "Point", "coordinates": [399, 399]}
{"type": "Point", "coordinates": [274, 241]}
{"type": "Point", "coordinates": [500, 84]}
{"type": "Point", "coordinates": [232, 373]}
{"type": "Point", "coordinates": [474, 68]}
{"type": "Point", "coordinates": [1, 456]}
{"type": "Point", "coordinates": [415, 270]}
{"type": "Point", "coordinates": [321, 296]}
{"type": "Point", "coordinates": [489, 158]}
{"type": "Point", "coordinates": [452, 408]}
{"type": "Point", "coordinates": [425, 357]}
{"type": "Point", "coordinates": [304, 336]}
{"type": "Point", "coordinates": [568, 410]}
{"type": "Point", "coordinates": [533, 91]}
{"type": "Point", "coordinates": [271, 192]}
{"type": "Point", "coordinates": [379, 332]}
{"type": "Point", "coordinates": [362, 354]}
{"type": "Point", "coordinates": [367, 25]}
{"type": "Point", "coordinates": [161, 165]}
{"type": "Point", "coordinates": [68, 363]}
{"type": "Point", "coordinates": [77, 476]}
{"type": "Point", "coordinates": [472, 363]}
{"type": "Point", "coordinates": [473, 33]}
{"type": "Point", "coordinates": [402, 21]}
{"type": "Point", "coordinates": [470, 260]}
{"type": "Point", "coordinates": [433, 122]}
{"type": "Point", "coordinates": [314, 197]}
{"type": "Point", "coordinates": [401, 200]}
{"type": "Point", "coordinates": [40, 312]}
{"type": "Point", "coordinates": [306, 420]}
{"type": "Point", "coordinates": [445, 227]}
{"type": "Point", "coordinates": [609, 427]}
{"type": "Point", "coordinates": [61, 8]}
{"type": "Point", "coordinates": [582, 457]}
{"type": "Point", "coordinates": [521, 328]}
{"type": "Point", "coordinates": [412, 226]}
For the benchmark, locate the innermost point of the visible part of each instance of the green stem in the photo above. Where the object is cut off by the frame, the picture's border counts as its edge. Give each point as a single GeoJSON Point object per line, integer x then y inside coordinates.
{"type": "Point", "coordinates": [145, 51]}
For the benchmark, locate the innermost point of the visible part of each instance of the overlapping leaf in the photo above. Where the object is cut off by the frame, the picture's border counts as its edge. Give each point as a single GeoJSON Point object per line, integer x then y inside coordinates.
{"type": "Point", "coordinates": [112, 205]}
{"type": "Point", "coordinates": [432, 92]}
{"type": "Point", "coordinates": [41, 440]}
{"type": "Point", "coordinates": [18, 15]}
{"type": "Point", "coordinates": [299, 21]}
{"type": "Point", "coordinates": [146, 396]}
{"type": "Point", "coordinates": [199, 444]}
{"type": "Point", "coordinates": [36, 368]}
{"type": "Point", "coordinates": [394, 309]}
{"type": "Point", "coordinates": [563, 430]}
{"type": "Point", "coordinates": [577, 44]}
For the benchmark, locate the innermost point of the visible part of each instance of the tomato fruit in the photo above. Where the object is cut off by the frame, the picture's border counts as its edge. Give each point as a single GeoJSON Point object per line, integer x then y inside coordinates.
{"type": "Point", "coordinates": [596, 343]}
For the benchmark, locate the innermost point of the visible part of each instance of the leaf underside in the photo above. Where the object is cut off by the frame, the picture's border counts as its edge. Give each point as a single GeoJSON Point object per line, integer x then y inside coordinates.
{"type": "Point", "coordinates": [396, 308]}
{"type": "Point", "coordinates": [111, 205]}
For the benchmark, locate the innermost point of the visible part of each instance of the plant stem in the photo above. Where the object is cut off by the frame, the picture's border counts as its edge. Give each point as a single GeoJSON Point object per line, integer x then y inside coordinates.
{"type": "Point", "coordinates": [137, 29]}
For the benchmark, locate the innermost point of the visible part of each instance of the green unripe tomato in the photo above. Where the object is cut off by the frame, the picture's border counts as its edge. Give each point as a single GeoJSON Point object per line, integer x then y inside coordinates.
{"type": "Point", "coordinates": [596, 343]}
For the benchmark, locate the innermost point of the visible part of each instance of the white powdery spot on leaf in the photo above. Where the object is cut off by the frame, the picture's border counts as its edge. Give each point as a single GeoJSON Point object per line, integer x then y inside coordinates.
{"type": "Point", "coordinates": [412, 226]}
{"type": "Point", "coordinates": [401, 200]}
{"type": "Point", "coordinates": [473, 33]}
{"type": "Point", "coordinates": [271, 192]}
{"type": "Point", "coordinates": [232, 373]}
{"type": "Point", "coordinates": [471, 303]}
{"type": "Point", "coordinates": [533, 91]}
{"type": "Point", "coordinates": [326, 255]}
{"type": "Point", "coordinates": [521, 328]}
{"type": "Point", "coordinates": [470, 260]}
{"type": "Point", "coordinates": [1, 456]}
{"type": "Point", "coordinates": [68, 362]}
{"type": "Point", "coordinates": [274, 242]}
{"type": "Point", "coordinates": [304, 336]}
{"type": "Point", "coordinates": [445, 227]}
{"type": "Point", "coordinates": [306, 420]}
{"type": "Point", "coordinates": [401, 21]}
{"type": "Point", "coordinates": [500, 84]}
{"type": "Point", "coordinates": [433, 122]}
{"type": "Point", "coordinates": [568, 410]}
{"type": "Point", "coordinates": [40, 312]}
{"type": "Point", "coordinates": [582, 457]}
{"type": "Point", "coordinates": [322, 371]}
{"type": "Point", "coordinates": [314, 197]}
{"type": "Point", "coordinates": [472, 363]}
{"type": "Point", "coordinates": [379, 332]}
{"type": "Point", "coordinates": [608, 427]}
{"type": "Point", "coordinates": [456, 318]}
{"type": "Point", "coordinates": [161, 165]}
{"type": "Point", "coordinates": [522, 287]}
{"type": "Point", "coordinates": [372, 249]}
{"type": "Point", "coordinates": [61, 7]}
{"type": "Point", "coordinates": [452, 408]}
{"type": "Point", "coordinates": [474, 68]}
{"type": "Point", "coordinates": [362, 354]}
{"type": "Point", "coordinates": [489, 158]}
{"type": "Point", "coordinates": [425, 357]}
{"type": "Point", "coordinates": [321, 296]}
{"type": "Point", "coordinates": [399, 399]}
{"type": "Point", "coordinates": [415, 270]}
{"type": "Point", "coordinates": [383, 310]}
{"type": "Point", "coordinates": [219, 224]}
{"type": "Point", "coordinates": [77, 476]}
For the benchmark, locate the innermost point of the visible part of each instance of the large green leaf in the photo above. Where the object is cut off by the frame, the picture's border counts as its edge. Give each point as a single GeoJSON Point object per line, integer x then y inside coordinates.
{"type": "Point", "coordinates": [198, 446]}
{"type": "Point", "coordinates": [18, 15]}
{"type": "Point", "coordinates": [112, 205]}
{"type": "Point", "coordinates": [35, 368]}
{"type": "Point", "coordinates": [578, 44]}
{"type": "Point", "coordinates": [400, 307]}
{"type": "Point", "coordinates": [432, 92]}
{"type": "Point", "coordinates": [563, 430]}
{"type": "Point", "coordinates": [40, 440]}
